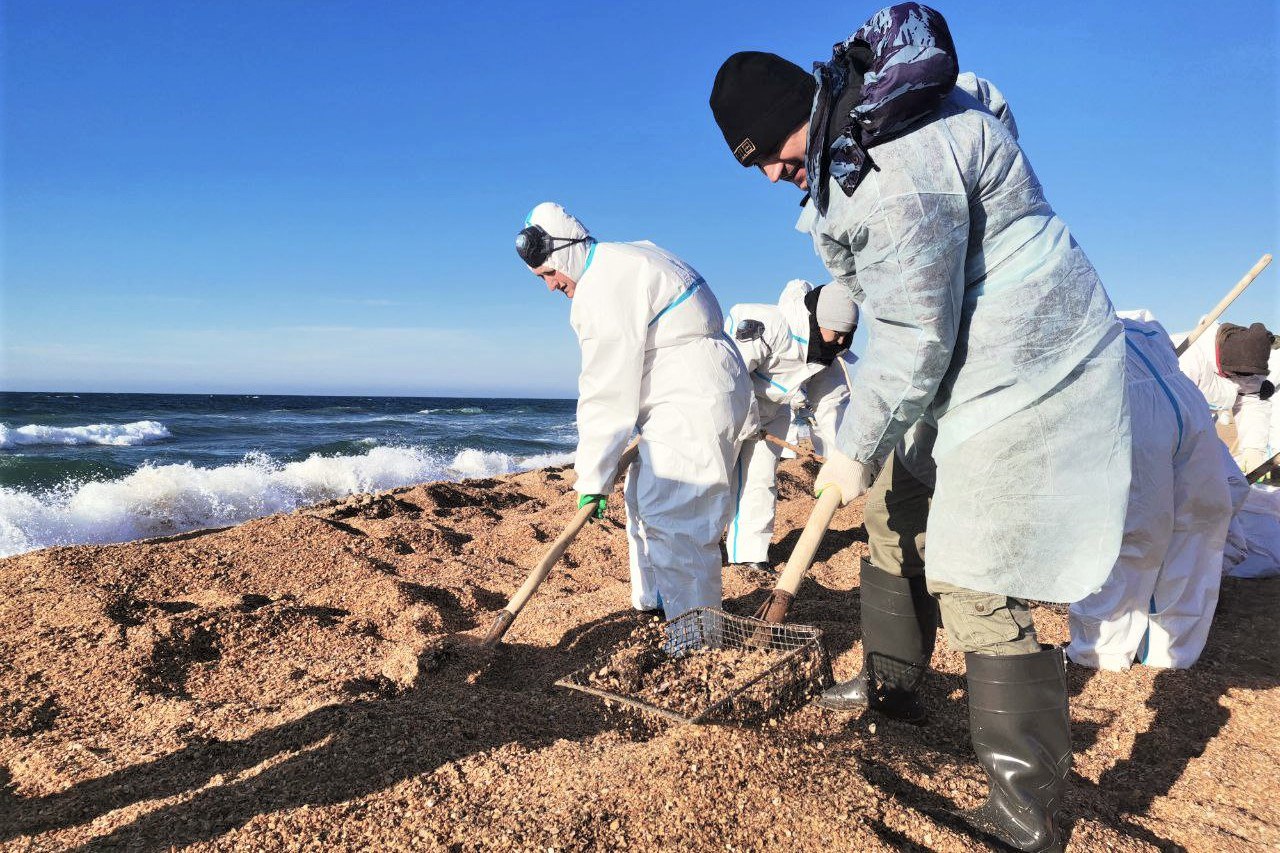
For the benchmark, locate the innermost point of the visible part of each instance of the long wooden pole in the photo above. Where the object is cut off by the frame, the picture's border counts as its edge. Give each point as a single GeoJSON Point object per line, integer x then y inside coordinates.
{"type": "Point", "coordinates": [502, 623]}
{"type": "Point", "coordinates": [1263, 470]}
{"type": "Point", "coordinates": [1222, 306]}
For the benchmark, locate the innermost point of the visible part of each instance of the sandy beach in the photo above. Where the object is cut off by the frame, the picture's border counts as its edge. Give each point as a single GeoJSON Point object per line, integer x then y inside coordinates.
{"type": "Point", "coordinates": [292, 683]}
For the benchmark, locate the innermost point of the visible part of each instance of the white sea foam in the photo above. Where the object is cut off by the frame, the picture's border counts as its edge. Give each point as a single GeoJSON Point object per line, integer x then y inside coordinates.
{"type": "Point", "coordinates": [116, 435]}
{"type": "Point", "coordinates": [157, 500]}
{"type": "Point", "coordinates": [488, 463]}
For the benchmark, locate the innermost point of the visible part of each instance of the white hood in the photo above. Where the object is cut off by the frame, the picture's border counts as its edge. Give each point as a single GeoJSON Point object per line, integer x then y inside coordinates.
{"type": "Point", "coordinates": [791, 304]}
{"type": "Point", "coordinates": [562, 225]}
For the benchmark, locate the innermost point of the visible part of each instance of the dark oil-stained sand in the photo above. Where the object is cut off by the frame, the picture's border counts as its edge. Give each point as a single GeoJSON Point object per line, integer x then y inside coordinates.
{"type": "Point", "coordinates": [296, 683]}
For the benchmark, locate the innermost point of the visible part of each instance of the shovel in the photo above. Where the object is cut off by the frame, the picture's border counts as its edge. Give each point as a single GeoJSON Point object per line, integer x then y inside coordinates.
{"type": "Point", "coordinates": [502, 623]}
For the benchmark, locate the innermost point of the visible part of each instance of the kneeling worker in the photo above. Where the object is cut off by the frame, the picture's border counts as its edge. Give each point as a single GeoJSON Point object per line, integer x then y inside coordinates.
{"type": "Point", "coordinates": [792, 350]}
{"type": "Point", "coordinates": [654, 359]}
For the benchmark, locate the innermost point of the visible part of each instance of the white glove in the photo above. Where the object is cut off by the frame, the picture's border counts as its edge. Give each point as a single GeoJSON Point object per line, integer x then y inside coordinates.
{"type": "Point", "coordinates": [851, 477]}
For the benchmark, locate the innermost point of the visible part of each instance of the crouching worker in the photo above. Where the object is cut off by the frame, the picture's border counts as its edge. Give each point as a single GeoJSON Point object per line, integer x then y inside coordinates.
{"type": "Point", "coordinates": [1158, 602]}
{"type": "Point", "coordinates": [654, 359]}
{"type": "Point", "coordinates": [792, 350]}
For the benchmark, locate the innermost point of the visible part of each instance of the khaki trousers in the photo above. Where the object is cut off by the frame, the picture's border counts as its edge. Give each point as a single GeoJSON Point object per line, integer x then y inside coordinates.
{"type": "Point", "coordinates": [896, 516]}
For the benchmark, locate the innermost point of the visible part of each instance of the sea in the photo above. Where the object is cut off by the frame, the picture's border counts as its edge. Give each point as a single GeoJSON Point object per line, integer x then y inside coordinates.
{"type": "Point", "coordinates": [99, 468]}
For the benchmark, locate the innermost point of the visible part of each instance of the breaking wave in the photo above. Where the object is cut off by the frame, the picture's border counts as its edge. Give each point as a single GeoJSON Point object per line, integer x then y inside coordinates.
{"type": "Point", "coordinates": [159, 500]}
{"type": "Point", "coordinates": [115, 435]}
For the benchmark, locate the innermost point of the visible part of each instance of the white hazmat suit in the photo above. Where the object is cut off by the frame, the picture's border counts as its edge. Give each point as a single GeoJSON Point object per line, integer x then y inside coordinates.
{"type": "Point", "coordinates": [783, 379]}
{"type": "Point", "coordinates": [988, 323]}
{"type": "Point", "coordinates": [1273, 374]}
{"type": "Point", "coordinates": [1236, 395]}
{"type": "Point", "coordinates": [1158, 603]}
{"type": "Point", "coordinates": [655, 360]}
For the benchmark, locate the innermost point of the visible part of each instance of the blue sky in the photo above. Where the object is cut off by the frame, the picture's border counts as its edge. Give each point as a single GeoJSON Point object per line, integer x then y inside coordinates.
{"type": "Point", "coordinates": [320, 197]}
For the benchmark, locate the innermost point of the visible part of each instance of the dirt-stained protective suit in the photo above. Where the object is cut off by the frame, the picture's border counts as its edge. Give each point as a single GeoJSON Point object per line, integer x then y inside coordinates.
{"type": "Point", "coordinates": [991, 331]}
{"type": "Point", "coordinates": [655, 360]}
{"type": "Point", "coordinates": [988, 322]}
{"type": "Point", "coordinates": [1158, 603]}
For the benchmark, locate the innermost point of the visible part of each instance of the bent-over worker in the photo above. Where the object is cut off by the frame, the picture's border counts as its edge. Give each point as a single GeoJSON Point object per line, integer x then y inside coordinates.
{"type": "Point", "coordinates": [993, 337]}
{"type": "Point", "coordinates": [797, 353]}
{"type": "Point", "coordinates": [654, 360]}
{"type": "Point", "coordinates": [1229, 364]}
{"type": "Point", "coordinates": [1158, 602]}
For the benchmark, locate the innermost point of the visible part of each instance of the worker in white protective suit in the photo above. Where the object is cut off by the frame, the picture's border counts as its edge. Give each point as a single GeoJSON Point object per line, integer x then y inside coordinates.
{"type": "Point", "coordinates": [1273, 376]}
{"type": "Point", "coordinates": [991, 339]}
{"type": "Point", "coordinates": [797, 353]}
{"type": "Point", "coordinates": [1158, 603]}
{"type": "Point", "coordinates": [654, 360]}
{"type": "Point", "coordinates": [1229, 364]}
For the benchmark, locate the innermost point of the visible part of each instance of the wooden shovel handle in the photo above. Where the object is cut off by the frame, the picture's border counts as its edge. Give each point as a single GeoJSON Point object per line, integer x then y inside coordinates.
{"type": "Point", "coordinates": [1263, 470]}
{"type": "Point", "coordinates": [1222, 306]}
{"type": "Point", "coordinates": [800, 451]}
{"type": "Point", "coordinates": [784, 592]}
{"type": "Point", "coordinates": [508, 614]}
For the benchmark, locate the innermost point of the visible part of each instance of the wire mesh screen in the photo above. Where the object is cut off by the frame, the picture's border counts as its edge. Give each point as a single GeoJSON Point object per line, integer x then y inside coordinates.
{"type": "Point", "coordinates": [707, 666]}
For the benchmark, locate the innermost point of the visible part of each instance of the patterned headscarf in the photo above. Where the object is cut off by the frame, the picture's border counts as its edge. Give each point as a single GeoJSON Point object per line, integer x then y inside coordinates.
{"type": "Point", "coordinates": [904, 62]}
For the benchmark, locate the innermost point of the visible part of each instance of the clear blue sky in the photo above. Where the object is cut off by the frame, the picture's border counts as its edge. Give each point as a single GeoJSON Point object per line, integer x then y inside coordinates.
{"type": "Point", "coordinates": [321, 196]}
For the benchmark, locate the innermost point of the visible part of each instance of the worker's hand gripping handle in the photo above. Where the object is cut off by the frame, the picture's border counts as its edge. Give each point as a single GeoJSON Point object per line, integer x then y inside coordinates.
{"type": "Point", "coordinates": [502, 623]}
{"type": "Point", "coordinates": [779, 602]}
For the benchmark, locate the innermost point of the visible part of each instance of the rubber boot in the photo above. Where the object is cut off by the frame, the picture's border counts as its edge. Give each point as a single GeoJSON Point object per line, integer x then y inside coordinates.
{"type": "Point", "coordinates": [899, 626]}
{"type": "Point", "coordinates": [1021, 731]}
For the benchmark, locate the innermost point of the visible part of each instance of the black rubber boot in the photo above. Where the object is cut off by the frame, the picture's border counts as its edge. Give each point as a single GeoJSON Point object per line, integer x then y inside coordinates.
{"type": "Point", "coordinates": [899, 626]}
{"type": "Point", "coordinates": [1021, 731]}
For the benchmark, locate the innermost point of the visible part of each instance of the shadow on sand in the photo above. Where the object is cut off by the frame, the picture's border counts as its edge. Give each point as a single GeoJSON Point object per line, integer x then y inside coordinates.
{"type": "Point", "coordinates": [465, 701]}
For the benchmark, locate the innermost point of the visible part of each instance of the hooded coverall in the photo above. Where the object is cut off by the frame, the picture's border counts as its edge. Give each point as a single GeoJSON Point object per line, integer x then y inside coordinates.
{"type": "Point", "coordinates": [1158, 602]}
{"type": "Point", "coordinates": [655, 360]}
{"type": "Point", "coordinates": [784, 379]}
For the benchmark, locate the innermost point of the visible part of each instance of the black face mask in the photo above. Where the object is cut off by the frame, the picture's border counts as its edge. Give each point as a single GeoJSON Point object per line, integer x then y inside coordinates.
{"type": "Point", "coordinates": [821, 352]}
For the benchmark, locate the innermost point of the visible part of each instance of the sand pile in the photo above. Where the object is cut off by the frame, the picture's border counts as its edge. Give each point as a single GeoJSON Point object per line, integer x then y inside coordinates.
{"type": "Point", "coordinates": [295, 682]}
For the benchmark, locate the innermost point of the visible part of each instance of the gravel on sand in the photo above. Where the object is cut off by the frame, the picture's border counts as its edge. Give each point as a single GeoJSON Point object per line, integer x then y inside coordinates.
{"type": "Point", "coordinates": [304, 681]}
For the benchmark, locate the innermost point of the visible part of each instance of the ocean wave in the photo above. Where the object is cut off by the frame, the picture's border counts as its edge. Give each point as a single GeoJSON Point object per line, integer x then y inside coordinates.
{"type": "Point", "coordinates": [159, 500]}
{"type": "Point", "coordinates": [114, 435]}
{"type": "Point", "coordinates": [465, 410]}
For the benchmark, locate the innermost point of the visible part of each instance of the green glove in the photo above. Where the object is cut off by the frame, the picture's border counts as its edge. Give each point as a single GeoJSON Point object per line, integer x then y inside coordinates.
{"type": "Point", "coordinates": [598, 500]}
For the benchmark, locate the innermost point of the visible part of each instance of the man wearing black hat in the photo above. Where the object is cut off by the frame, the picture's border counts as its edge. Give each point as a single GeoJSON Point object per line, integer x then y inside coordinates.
{"type": "Point", "coordinates": [992, 343]}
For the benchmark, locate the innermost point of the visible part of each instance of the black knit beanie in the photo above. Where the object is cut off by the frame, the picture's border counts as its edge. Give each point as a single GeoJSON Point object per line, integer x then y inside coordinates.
{"type": "Point", "coordinates": [758, 99]}
{"type": "Point", "coordinates": [1242, 351]}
